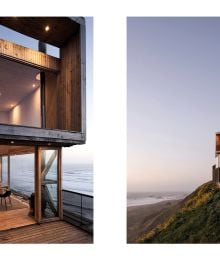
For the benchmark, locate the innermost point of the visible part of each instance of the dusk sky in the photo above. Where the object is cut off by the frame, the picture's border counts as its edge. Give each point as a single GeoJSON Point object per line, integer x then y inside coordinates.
{"type": "Point", "coordinates": [78, 153]}
{"type": "Point", "coordinates": [173, 102]}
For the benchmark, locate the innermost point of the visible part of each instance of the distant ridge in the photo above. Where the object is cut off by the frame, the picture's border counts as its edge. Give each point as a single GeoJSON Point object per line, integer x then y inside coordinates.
{"type": "Point", "coordinates": [196, 221]}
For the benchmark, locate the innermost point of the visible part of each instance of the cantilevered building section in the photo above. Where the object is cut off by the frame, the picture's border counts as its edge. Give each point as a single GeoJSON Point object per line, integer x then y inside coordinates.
{"type": "Point", "coordinates": [59, 108]}
{"type": "Point", "coordinates": [43, 102]}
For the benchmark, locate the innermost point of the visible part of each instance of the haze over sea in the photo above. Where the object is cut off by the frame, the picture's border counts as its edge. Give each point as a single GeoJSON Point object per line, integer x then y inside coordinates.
{"type": "Point", "coordinates": [75, 177]}
{"type": "Point", "coordinates": [143, 198]}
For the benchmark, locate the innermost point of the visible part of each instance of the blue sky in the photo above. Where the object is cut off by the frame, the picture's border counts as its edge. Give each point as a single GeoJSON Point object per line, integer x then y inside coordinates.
{"type": "Point", "coordinates": [78, 153]}
{"type": "Point", "coordinates": [173, 101]}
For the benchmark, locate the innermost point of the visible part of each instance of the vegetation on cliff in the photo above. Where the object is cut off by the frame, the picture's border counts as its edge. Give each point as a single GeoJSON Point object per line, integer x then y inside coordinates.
{"type": "Point", "coordinates": [196, 221]}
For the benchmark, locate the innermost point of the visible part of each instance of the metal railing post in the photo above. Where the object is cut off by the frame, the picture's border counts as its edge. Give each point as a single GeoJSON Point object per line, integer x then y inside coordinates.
{"type": "Point", "coordinates": [81, 210]}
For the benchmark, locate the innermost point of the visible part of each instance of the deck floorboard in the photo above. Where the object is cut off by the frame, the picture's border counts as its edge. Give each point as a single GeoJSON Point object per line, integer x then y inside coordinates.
{"type": "Point", "coordinates": [15, 218]}
{"type": "Point", "coordinates": [58, 232]}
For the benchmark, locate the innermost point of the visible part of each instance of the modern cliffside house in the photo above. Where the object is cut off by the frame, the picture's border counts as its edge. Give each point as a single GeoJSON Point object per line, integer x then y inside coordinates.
{"type": "Point", "coordinates": [216, 167]}
{"type": "Point", "coordinates": [42, 103]}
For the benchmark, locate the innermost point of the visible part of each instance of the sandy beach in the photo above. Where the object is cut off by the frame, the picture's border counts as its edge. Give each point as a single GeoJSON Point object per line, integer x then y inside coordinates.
{"type": "Point", "coordinates": [143, 218]}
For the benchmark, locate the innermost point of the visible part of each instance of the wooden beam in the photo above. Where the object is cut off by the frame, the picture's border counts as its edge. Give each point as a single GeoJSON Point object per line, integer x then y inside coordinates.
{"type": "Point", "coordinates": [48, 165]}
{"type": "Point", "coordinates": [28, 56]}
{"type": "Point", "coordinates": [32, 134]}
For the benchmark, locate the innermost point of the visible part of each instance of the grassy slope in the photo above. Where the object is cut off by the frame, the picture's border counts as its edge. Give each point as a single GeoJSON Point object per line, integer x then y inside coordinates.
{"type": "Point", "coordinates": [197, 221]}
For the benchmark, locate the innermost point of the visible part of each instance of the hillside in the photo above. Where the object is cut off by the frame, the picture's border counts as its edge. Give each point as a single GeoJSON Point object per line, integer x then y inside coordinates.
{"type": "Point", "coordinates": [196, 221]}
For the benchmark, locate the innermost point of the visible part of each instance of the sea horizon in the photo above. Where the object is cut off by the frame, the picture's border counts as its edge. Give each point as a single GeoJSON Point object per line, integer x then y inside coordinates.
{"type": "Point", "coordinates": [149, 197]}
{"type": "Point", "coordinates": [77, 177]}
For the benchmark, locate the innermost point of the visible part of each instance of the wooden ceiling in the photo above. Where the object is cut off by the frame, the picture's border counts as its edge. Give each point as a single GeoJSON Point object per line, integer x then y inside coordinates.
{"type": "Point", "coordinates": [7, 150]}
{"type": "Point", "coordinates": [61, 28]}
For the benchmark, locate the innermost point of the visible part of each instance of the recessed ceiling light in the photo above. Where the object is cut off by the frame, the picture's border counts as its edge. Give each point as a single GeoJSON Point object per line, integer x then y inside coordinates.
{"type": "Point", "coordinates": [47, 28]}
{"type": "Point", "coordinates": [38, 77]}
{"type": "Point", "coordinates": [12, 142]}
{"type": "Point", "coordinates": [12, 105]}
{"type": "Point", "coordinates": [33, 85]}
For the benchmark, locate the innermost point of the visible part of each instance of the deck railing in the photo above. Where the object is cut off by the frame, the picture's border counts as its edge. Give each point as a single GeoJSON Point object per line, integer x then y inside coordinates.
{"type": "Point", "coordinates": [78, 209]}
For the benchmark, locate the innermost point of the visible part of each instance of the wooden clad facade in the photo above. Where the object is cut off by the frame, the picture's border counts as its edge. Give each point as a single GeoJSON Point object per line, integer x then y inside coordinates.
{"type": "Point", "coordinates": [63, 90]}
{"type": "Point", "coordinates": [28, 56]}
{"type": "Point", "coordinates": [70, 86]}
{"type": "Point", "coordinates": [217, 142]}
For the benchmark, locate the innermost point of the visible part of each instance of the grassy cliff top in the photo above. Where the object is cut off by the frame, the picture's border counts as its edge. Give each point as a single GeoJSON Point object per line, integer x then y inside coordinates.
{"type": "Point", "coordinates": [196, 221]}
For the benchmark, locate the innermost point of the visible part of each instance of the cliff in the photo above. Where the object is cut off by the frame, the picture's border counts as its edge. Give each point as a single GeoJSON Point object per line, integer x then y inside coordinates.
{"type": "Point", "coordinates": [197, 219]}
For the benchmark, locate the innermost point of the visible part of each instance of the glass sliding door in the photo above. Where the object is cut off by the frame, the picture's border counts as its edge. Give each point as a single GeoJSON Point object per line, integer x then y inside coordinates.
{"type": "Point", "coordinates": [48, 183]}
{"type": "Point", "coordinates": [5, 169]}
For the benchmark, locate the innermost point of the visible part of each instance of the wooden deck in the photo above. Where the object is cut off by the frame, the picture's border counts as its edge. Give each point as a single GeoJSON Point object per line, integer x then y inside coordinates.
{"type": "Point", "coordinates": [15, 218]}
{"type": "Point", "coordinates": [16, 226]}
{"type": "Point", "coordinates": [58, 232]}
{"type": "Point", "coordinates": [16, 215]}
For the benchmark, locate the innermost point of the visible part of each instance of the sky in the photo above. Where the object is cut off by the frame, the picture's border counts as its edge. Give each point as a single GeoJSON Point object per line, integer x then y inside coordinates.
{"type": "Point", "coordinates": [173, 82]}
{"type": "Point", "coordinates": [78, 154]}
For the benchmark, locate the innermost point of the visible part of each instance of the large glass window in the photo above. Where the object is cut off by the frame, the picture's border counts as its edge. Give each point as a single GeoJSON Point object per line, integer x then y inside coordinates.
{"type": "Point", "coordinates": [5, 175]}
{"type": "Point", "coordinates": [19, 94]}
{"type": "Point", "coordinates": [49, 183]}
{"type": "Point", "coordinates": [22, 174]}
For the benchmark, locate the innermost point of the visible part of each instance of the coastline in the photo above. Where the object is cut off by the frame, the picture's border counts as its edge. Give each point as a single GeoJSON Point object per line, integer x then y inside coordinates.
{"type": "Point", "coordinates": [143, 218]}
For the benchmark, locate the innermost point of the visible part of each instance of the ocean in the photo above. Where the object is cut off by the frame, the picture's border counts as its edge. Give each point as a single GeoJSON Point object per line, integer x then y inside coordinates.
{"type": "Point", "coordinates": [142, 198]}
{"type": "Point", "coordinates": [75, 177]}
